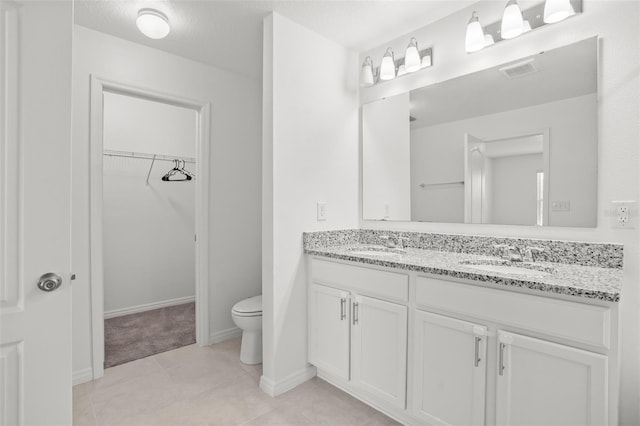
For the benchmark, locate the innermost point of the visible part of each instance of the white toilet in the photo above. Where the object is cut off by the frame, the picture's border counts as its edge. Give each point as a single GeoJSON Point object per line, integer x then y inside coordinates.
{"type": "Point", "coordinates": [247, 315]}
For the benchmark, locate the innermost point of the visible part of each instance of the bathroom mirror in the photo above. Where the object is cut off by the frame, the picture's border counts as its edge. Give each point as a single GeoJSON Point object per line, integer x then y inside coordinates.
{"type": "Point", "coordinates": [515, 144]}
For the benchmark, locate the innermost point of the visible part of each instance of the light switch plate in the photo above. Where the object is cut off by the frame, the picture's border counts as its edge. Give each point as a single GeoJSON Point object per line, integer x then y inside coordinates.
{"type": "Point", "coordinates": [321, 211]}
{"type": "Point", "coordinates": [624, 214]}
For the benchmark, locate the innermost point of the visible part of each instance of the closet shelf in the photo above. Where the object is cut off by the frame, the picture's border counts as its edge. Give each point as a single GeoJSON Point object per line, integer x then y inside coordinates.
{"type": "Point", "coordinates": [130, 154]}
{"type": "Point", "coordinates": [145, 156]}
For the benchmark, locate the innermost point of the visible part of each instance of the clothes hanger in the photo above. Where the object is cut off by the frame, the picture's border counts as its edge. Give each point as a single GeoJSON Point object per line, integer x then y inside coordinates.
{"type": "Point", "coordinates": [177, 171]}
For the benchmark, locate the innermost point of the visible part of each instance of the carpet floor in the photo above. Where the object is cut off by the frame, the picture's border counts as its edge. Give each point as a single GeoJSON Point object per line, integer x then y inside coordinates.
{"type": "Point", "coordinates": [140, 335]}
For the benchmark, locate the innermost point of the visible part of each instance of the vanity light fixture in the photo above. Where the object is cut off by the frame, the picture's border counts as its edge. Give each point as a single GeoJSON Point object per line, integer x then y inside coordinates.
{"type": "Point", "coordinates": [153, 23]}
{"type": "Point", "coordinates": [474, 39]}
{"type": "Point", "coordinates": [388, 66]}
{"type": "Point", "coordinates": [557, 10]}
{"type": "Point", "coordinates": [412, 61]}
{"type": "Point", "coordinates": [366, 73]}
{"type": "Point", "coordinates": [516, 22]}
{"type": "Point", "coordinates": [512, 22]}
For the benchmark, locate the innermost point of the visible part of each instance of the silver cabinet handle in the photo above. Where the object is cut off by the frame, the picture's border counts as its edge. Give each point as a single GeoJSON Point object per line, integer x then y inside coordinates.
{"type": "Point", "coordinates": [476, 358]}
{"type": "Point", "coordinates": [355, 313]}
{"type": "Point", "coordinates": [49, 282]}
{"type": "Point", "coordinates": [343, 313]}
{"type": "Point", "coordinates": [501, 366]}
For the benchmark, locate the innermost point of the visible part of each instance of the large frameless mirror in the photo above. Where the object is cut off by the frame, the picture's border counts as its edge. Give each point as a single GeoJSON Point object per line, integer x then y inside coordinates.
{"type": "Point", "coordinates": [515, 144]}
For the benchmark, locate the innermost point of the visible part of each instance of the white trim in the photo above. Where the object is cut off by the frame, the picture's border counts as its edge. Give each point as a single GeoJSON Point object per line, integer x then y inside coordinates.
{"type": "Point", "coordinates": [221, 336]}
{"type": "Point", "coordinates": [273, 388]}
{"type": "Point", "coordinates": [203, 109]}
{"type": "Point", "coordinates": [148, 307]}
{"type": "Point", "coordinates": [82, 376]}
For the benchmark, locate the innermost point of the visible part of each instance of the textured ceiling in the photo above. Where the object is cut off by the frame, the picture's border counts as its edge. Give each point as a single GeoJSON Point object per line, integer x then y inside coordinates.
{"type": "Point", "coordinates": [228, 34]}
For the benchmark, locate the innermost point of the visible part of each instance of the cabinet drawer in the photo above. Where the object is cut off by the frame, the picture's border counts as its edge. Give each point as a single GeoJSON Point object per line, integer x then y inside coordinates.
{"type": "Point", "coordinates": [567, 320]}
{"type": "Point", "coordinates": [363, 280]}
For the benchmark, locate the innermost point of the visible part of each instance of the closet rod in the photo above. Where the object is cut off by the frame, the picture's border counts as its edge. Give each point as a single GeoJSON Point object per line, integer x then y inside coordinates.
{"type": "Point", "coordinates": [130, 154]}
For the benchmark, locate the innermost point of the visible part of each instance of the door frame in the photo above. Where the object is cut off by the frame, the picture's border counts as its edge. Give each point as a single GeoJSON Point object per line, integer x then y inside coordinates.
{"type": "Point", "coordinates": [100, 85]}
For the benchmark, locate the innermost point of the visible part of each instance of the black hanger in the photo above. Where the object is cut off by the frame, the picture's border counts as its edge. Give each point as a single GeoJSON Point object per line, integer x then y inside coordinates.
{"type": "Point", "coordinates": [178, 173]}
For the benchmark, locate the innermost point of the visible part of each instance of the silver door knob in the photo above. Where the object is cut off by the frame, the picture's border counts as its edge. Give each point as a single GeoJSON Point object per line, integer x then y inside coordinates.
{"type": "Point", "coordinates": [49, 282]}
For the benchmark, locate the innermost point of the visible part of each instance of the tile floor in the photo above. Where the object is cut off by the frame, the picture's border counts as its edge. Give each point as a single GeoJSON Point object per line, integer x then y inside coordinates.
{"type": "Point", "coordinates": [209, 386]}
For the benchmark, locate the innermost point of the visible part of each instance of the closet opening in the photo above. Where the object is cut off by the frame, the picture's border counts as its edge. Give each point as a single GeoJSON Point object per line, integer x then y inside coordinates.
{"type": "Point", "coordinates": [149, 204]}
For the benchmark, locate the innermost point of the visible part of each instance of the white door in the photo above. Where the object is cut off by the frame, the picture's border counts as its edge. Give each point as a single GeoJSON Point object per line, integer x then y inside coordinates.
{"type": "Point", "coordinates": [474, 180]}
{"type": "Point", "coordinates": [35, 331]}
{"type": "Point", "coordinates": [379, 358]}
{"type": "Point", "coordinates": [450, 365]}
{"type": "Point", "coordinates": [543, 383]}
{"type": "Point", "coordinates": [329, 330]}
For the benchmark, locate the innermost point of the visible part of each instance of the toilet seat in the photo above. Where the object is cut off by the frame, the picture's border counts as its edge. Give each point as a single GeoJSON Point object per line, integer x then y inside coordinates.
{"type": "Point", "coordinates": [251, 307]}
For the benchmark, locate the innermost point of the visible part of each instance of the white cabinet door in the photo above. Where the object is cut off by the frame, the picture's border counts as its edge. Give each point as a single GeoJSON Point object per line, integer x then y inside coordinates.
{"type": "Point", "coordinates": [543, 383]}
{"type": "Point", "coordinates": [379, 349]}
{"type": "Point", "coordinates": [35, 214]}
{"type": "Point", "coordinates": [449, 370]}
{"type": "Point", "coordinates": [329, 330]}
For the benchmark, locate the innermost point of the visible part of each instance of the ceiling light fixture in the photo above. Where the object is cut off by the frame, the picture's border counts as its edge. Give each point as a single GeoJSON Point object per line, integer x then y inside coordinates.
{"type": "Point", "coordinates": [557, 10]}
{"type": "Point", "coordinates": [153, 23]}
{"type": "Point", "coordinates": [512, 22]}
{"type": "Point", "coordinates": [474, 39]}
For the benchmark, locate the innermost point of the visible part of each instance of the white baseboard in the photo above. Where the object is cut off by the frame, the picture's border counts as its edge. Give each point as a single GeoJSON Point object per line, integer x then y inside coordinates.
{"type": "Point", "coordinates": [82, 376]}
{"type": "Point", "coordinates": [221, 336]}
{"type": "Point", "coordinates": [148, 307]}
{"type": "Point", "coordinates": [273, 388]}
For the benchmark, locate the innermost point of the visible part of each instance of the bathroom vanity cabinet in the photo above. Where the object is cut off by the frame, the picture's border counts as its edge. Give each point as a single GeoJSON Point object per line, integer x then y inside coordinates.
{"type": "Point", "coordinates": [427, 349]}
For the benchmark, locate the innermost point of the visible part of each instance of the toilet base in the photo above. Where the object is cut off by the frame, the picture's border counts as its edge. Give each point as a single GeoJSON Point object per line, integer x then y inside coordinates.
{"type": "Point", "coordinates": [251, 347]}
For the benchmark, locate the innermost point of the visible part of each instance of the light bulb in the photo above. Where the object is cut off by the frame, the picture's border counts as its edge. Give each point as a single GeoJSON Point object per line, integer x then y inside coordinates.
{"type": "Point", "coordinates": [366, 73]}
{"type": "Point", "coordinates": [512, 23]}
{"type": "Point", "coordinates": [526, 26]}
{"type": "Point", "coordinates": [474, 39]}
{"type": "Point", "coordinates": [488, 40]}
{"type": "Point", "coordinates": [556, 10]}
{"type": "Point", "coordinates": [412, 56]}
{"type": "Point", "coordinates": [388, 66]}
{"type": "Point", "coordinates": [152, 23]}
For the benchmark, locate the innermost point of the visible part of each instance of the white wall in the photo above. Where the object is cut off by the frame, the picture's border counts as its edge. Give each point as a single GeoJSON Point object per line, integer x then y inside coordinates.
{"type": "Point", "coordinates": [234, 239]}
{"type": "Point", "coordinates": [618, 25]}
{"type": "Point", "coordinates": [149, 251]}
{"type": "Point", "coordinates": [310, 145]}
{"type": "Point", "coordinates": [386, 175]}
{"type": "Point", "coordinates": [438, 151]}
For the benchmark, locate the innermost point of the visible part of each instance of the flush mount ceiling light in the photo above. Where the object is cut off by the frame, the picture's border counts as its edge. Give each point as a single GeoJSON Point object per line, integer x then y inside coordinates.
{"type": "Point", "coordinates": [474, 40]}
{"type": "Point", "coordinates": [557, 10]}
{"type": "Point", "coordinates": [412, 61]}
{"type": "Point", "coordinates": [388, 66]}
{"type": "Point", "coordinates": [366, 73]}
{"type": "Point", "coordinates": [512, 22]}
{"type": "Point", "coordinates": [152, 23]}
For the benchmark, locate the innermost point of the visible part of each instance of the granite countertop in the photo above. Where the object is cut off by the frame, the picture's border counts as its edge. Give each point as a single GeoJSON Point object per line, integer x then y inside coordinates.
{"type": "Point", "coordinates": [575, 280]}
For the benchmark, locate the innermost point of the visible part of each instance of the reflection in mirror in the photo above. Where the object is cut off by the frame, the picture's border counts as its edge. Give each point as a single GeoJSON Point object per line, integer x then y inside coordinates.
{"type": "Point", "coordinates": [515, 144]}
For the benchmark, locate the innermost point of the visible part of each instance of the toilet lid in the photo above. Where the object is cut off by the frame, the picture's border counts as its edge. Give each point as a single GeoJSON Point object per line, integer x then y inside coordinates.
{"type": "Point", "coordinates": [250, 305]}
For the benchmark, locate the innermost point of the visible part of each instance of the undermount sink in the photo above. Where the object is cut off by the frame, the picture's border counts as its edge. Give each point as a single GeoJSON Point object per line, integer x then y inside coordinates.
{"type": "Point", "coordinates": [507, 267]}
{"type": "Point", "coordinates": [375, 251]}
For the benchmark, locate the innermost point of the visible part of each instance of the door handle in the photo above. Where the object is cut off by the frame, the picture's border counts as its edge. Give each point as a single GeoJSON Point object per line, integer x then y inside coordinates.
{"type": "Point", "coordinates": [476, 358]}
{"type": "Point", "coordinates": [355, 313]}
{"type": "Point", "coordinates": [49, 282]}
{"type": "Point", "coordinates": [343, 311]}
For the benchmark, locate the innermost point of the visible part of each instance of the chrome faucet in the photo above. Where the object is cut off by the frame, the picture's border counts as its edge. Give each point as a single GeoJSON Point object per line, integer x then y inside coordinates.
{"type": "Point", "coordinates": [515, 254]}
{"type": "Point", "coordinates": [390, 243]}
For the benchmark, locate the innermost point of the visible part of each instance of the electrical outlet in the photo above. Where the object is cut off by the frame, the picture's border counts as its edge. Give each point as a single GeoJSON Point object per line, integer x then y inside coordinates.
{"type": "Point", "coordinates": [321, 211]}
{"type": "Point", "coordinates": [624, 214]}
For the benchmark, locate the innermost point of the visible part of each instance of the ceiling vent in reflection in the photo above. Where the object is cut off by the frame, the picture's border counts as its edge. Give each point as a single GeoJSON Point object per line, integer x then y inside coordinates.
{"type": "Point", "coordinates": [519, 69]}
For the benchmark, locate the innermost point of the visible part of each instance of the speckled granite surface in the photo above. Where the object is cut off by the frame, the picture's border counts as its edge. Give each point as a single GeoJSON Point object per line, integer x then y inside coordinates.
{"type": "Point", "coordinates": [572, 273]}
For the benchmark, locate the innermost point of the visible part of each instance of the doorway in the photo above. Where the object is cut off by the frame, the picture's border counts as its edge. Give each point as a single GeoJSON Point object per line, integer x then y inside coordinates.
{"type": "Point", "coordinates": [114, 155]}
